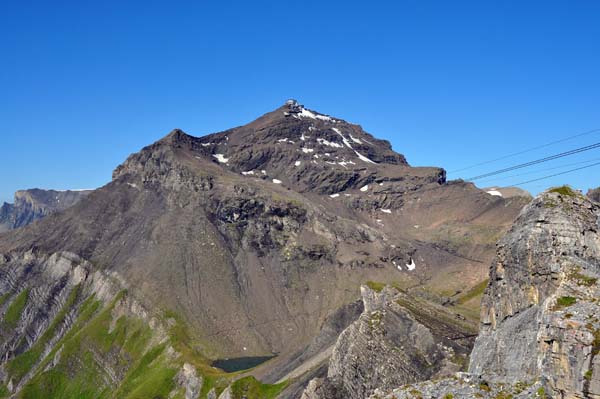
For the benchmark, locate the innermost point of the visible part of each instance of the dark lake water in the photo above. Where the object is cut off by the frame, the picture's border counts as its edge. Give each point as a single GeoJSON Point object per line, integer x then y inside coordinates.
{"type": "Point", "coordinates": [240, 363]}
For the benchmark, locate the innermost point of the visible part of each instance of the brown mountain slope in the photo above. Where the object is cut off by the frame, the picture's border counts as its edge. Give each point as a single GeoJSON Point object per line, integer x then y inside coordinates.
{"type": "Point", "coordinates": [255, 262]}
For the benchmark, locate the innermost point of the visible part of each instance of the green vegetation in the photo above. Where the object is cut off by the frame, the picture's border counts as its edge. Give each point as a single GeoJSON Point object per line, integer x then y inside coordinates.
{"type": "Point", "coordinates": [541, 393]}
{"type": "Point", "coordinates": [13, 313]}
{"type": "Point", "coordinates": [106, 354]}
{"type": "Point", "coordinates": [476, 291]}
{"type": "Point", "coordinates": [150, 378]}
{"type": "Point", "coordinates": [583, 280]}
{"type": "Point", "coordinates": [124, 346]}
{"type": "Point", "coordinates": [564, 190]}
{"type": "Point", "coordinates": [21, 364]}
{"type": "Point", "coordinates": [375, 286]}
{"type": "Point", "coordinates": [484, 386]}
{"type": "Point", "coordinates": [448, 396]}
{"type": "Point", "coordinates": [564, 302]}
{"type": "Point", "coordinates": [520, 386]}
{"type": "Point", "coordinates": [250, 387]}
{"type": "Point", "coordinates": [596, 342]}
{"type": "Point", "coordinates": [588, 375]}
{"type": "Point", "coordinates": [4, 298]}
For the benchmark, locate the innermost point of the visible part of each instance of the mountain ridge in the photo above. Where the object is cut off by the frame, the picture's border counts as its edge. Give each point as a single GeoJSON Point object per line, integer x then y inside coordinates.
{"type": "Point", "coordinates": [254, 264]}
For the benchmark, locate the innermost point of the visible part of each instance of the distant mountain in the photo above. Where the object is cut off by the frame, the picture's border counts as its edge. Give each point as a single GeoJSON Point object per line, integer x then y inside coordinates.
{"type": "Point", "coordinates": [252, 242]}
{"type": "Point", "coordinates": [34, 204]}
{"type": "Point", "coordinates": [508, 192]}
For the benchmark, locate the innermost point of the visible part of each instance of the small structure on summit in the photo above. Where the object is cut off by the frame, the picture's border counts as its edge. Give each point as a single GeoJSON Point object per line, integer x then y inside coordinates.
{"type": "Point", "coordinates": [293, 107]}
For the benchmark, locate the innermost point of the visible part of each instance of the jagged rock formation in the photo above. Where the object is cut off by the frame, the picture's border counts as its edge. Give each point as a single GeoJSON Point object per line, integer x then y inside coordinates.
{"type": "Point", "coordinates": [396, 341]}
{"type": "Point", "coordinates": [594, 194]}
{"type": "Point", "coordinates": [540, 332]}
{"type": "Point", "coordinates": [34, 204]}
{"type": "Point", "coordinates": [252, 238]}
{"type": "Point", "coordinates": [465, 386]}
{"type": "Point", "coordinates": [541, 301]}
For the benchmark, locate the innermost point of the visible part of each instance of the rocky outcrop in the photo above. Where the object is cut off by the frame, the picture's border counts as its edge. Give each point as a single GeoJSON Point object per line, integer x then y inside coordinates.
{"type": "Point", "coordinates": [540, 331]}
{"type": "Point", "coordinates": [539, 311]}
{"type": "Point", "coordinates": [190, 381]}
{"type": "Point", "coordinates": [34, 204]}
{"type": "Point", "coordinates": [594, 194]}
{"type": "Point", "coordinates": [391, 345]}
{"type": "Point", "coordinates": [464, 386]}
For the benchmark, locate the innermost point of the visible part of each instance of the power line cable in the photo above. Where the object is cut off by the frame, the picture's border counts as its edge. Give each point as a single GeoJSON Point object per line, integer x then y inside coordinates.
{"type": "Point", "coordinates": [526, 150]}
{"type": "Point", "coordinates": [539, 170]}
{"type": "Point", "coordinates": [556, 174]}
{"type": "Point", "coordinates": [537, 161]}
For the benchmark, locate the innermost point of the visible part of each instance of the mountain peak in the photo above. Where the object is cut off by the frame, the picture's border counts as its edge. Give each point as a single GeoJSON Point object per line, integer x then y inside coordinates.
{"type": "Point", "coordinates": [303, 149]}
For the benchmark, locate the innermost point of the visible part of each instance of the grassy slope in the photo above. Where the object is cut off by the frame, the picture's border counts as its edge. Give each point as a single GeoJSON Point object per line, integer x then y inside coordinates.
{"type": "Point", "coordinates": [104, 357]}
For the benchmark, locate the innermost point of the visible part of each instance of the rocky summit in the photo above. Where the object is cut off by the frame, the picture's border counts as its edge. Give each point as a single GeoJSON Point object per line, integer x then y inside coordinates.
{"type": "Point", "coordinates": [296, 248]}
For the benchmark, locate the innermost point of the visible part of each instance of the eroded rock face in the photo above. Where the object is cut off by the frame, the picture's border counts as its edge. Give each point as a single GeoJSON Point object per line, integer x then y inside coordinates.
{"type": "Point", "coordinates": [464, 386]}
{"type": "Point", "coordinates": [594, 194]}
{"type": "Point", "coordinates": [388, 347]}
{"type": "Point", "coordinates": [34, 204]}
{"type": "Point", "coordinates": [540, 328]}
{"type": "Point", "coordinates": [539, 316]}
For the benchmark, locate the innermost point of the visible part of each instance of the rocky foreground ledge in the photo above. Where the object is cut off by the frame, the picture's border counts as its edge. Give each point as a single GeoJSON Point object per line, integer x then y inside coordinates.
{"type": "Point", "coordinates": [540, 321]}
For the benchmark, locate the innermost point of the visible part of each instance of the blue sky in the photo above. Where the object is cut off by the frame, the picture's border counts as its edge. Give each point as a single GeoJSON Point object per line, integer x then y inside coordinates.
{"type": "Point", "coordinates": [84, 84]}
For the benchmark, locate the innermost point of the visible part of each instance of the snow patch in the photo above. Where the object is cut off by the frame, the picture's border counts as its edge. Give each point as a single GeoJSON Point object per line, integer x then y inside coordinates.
{"type": "Point", "coordinates": [386, 210]}
{"type": "Point", "coordinates": [308, 114]}
{"type": "Point", "coordinates": [329, 143]}
{"type": "Point", "coordinates": [250, 172]}
{"type": "Point", "coordinates": [495, 193]}
{"type": "Point", "coordinates": [357, 141]}
{"type": "Point", "coordinates": [276, 181]}
{"type": "Point", "coordinates": [307, 150]}
{"type": "Point", "coordinates": [363, 158]}
{"type": "Point", "coordinates": [297, 163]}
{"type": "Point", "coordinates": [334, 195]}
{"type": "Point", "coordinates": [221, 158]}
{"type": "Point", "coordinates": [205, 144]}
{"type": "Point", "coordinates": [364, 188]}
{"type": "Point", "coordinates": [264, 172]}
{"type": "Point", "coordinates": [411, 265]}
{"type": "Point", "coordinates": [343, 137]}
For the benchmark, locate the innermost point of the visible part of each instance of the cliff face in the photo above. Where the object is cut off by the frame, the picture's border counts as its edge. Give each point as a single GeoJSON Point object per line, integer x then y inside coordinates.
{"type": "Point", "coordinates": [397, 340]}
{"type": "Point", "coordinates": [34, 204]}
{"type": "Point", "coordinates": [540, 331]}
{"type": "Point", "coordinates": [539, 312]}
{"type": "Point", "coordinates": [594, 194]}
